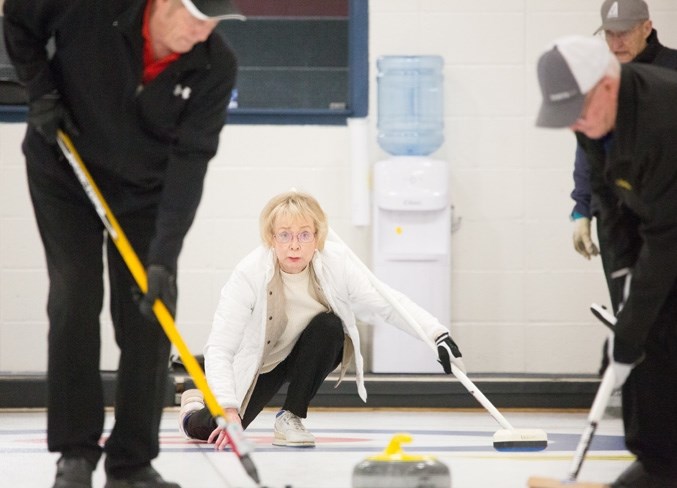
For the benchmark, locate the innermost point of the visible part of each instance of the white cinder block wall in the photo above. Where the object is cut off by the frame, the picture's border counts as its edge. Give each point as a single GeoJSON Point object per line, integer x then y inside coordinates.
{"type": "Point", "coordinates": [520, 294]}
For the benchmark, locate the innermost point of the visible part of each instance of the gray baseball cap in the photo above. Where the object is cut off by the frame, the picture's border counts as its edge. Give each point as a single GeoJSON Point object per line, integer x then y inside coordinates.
{"type": "Point", "coordinates": [622, 15]}
{"type": "Point", "coordinates": [213, 9]}
{"type": "Point", "coordinates": [567, 71]}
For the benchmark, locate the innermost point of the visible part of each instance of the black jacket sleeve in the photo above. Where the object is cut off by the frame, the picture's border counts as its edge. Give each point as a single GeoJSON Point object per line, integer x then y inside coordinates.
{"type": "Point", "coordinates": [643, 171]}
{"type": "Point", "coordinates": [28, 27]}
{"type": "Point", "coordinates": [616, 221]}
{"type": "Point", "coordinates": [197, 140]}
{"type": "Point", "coordinates": [581, 191]}
{"type": "Point", "coordinates": [653, 278]}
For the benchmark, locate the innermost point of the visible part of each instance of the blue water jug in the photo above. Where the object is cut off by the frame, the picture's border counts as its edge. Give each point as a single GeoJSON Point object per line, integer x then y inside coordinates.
{"type": "Point", "coordinates": [410, 104]}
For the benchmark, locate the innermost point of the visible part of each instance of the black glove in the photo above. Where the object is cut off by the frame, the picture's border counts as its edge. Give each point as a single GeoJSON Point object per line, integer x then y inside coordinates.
{"type": "Point", "coordinates": [162, 285]}
{"type": "Point", "coordinates": [448, 353]}
{"type": "Point", "coordinates": [48, 114]}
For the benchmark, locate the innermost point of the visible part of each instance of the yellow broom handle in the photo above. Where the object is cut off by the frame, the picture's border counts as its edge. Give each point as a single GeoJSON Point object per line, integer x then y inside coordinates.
{"type": "Point", "coordinates": [139, 273]}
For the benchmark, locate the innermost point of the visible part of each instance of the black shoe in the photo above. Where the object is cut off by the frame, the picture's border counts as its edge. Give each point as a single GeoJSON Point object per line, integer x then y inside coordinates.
{"type": "Point", "coordinates": [635, 476]}
{"type": "Point", "coordinates": [144, 478]}
{"type": "Point", "coordinates": [73, 472]}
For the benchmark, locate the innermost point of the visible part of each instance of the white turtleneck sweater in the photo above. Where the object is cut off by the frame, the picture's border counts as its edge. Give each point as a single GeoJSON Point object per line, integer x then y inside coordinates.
{"type": "Point", "coordinates": [301, 305]}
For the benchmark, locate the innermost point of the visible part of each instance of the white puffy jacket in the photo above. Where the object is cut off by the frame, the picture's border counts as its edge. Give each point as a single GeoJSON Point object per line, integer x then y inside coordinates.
{"type": "Point", "coordinates": [234, 349]}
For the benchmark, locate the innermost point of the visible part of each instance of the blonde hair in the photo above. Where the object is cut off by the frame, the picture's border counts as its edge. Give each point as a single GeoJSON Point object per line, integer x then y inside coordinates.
{"type": "Point", "coordinates": [293, 205]}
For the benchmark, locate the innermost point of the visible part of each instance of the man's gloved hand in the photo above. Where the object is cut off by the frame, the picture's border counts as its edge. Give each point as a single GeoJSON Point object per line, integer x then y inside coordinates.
{"type": "Point", "coordinates": [622, 359]}
{"type": "Point", "coordinates": [448, 353]}
{"type": "Point", "coordinates": [582, 240]}
{"type": "Point", "coordinates": [162, 285]}
{"type": "Point", "coordinates": [48, 114]}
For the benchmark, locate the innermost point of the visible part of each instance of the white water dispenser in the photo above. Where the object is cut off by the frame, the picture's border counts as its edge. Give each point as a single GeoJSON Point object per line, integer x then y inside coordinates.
{"type": "Point", "coordinates": [411, 205]}
{"type": "Point", "coordinates": [411, 253]}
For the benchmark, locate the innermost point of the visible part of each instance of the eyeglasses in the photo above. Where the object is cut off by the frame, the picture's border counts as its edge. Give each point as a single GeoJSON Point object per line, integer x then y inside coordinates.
{"type": "Point", "coordinates": [285, 237]}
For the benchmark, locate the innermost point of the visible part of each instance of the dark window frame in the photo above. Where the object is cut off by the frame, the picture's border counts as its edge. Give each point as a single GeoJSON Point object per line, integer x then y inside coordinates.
{"type": "Point", "coordinates": [358, 83]}
{"type": "Point", "coordinates": [358, 87]}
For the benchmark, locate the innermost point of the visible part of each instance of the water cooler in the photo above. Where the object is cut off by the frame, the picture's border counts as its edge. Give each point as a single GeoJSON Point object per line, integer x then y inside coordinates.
{"type": "Point", "coordinates": [411, 205]}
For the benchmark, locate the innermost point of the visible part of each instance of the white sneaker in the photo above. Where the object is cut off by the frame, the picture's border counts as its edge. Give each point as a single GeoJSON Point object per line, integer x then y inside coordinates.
{"type": "Point", "coordinates": [290, 432]}
{"type": "Point", "coordinates": [191, 400]}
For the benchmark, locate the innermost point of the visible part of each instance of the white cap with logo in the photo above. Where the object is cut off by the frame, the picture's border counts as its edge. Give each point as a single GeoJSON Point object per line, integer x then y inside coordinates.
{"type": "Point", "coordinates": [213, 9]}
{"type": "Point", "coordinates": [567, 71]}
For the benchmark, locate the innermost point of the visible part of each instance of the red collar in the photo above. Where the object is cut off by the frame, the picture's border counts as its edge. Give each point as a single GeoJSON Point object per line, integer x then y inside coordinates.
{"type": "Point", "coordinates": [152, 67]}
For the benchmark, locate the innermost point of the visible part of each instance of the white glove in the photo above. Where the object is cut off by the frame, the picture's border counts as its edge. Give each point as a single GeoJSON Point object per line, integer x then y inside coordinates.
{"type": "Point", "coordinates": [621, 370]}
{"type": "Point", "coordinates": [582, 240]}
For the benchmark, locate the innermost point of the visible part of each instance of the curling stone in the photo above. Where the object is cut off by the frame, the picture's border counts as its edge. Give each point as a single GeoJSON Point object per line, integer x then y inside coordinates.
{"type": "Point", "coordinates": [393, 468]}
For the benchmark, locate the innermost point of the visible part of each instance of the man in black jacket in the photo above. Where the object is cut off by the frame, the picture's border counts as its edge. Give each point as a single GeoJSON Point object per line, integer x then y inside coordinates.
{"type": "Point", "coordinates": [630, 35]}
{"type": "Point", "coordinates": [584, 88]}
{"type": "Point", "coordinates": [142, 87]}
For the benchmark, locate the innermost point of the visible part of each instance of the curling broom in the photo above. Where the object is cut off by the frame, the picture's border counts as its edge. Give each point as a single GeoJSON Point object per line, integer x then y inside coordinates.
{"type": "Point", "coordinates": [599, 405]}
{"type": "Point", "coordinates": [508, 438]}
{"type": "Point", "coordinates": [240, 446]}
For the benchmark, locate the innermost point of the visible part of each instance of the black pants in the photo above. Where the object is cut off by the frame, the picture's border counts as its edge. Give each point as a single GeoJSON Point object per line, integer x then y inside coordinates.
{"type": "Point", "coordinates": [73, 238]}
{"type": "Point", "coordinates": [650, 397]}
{"type": "Point", "coordinates": [316, 354]}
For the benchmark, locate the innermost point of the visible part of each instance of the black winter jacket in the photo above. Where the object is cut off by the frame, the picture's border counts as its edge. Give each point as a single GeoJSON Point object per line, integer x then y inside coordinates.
{"type": "Point", "coordinates": [148, 145]}
{"type": "Point", "coordinates": [641, 168]}
{"type": "Point", "coordinates": [586, 205]}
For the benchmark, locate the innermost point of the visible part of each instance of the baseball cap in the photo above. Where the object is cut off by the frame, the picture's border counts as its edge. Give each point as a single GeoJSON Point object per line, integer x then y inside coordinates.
{"type": "Point", "coordinates": [213, 9]}
{"type": "Point", "coordinates": [567, 71]}
{"type": "Point", "coordinates": [622, 15]}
